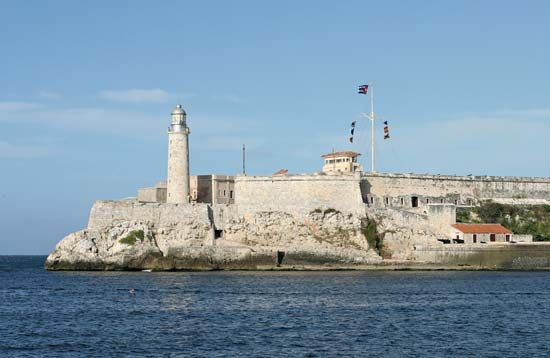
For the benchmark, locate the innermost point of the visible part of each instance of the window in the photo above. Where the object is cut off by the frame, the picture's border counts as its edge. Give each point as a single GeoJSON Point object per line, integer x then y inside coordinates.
{"type": "Point", "coordinates": [474, 238]}
{"type": "Point", "coordinates": [441, 201]}
{"type": "Point", "coordinates": [493, 237]}
{"type": "Point", "coordinates": [402, 201]}
{"type": "Point", "coordinates": [224, 193]}
{"type": "Point", "coordinates": [456, 202]}
{"type": "Point", "coordinates": [387, 201]}
{"type": "Point", "coordinates": [427, 201]}
{"type": "Point", "coordinates": [372, 200]}
{"type": "Point", "coordinates": [507, 238]}
{"type": "Point", "coordinates": [231, 194]}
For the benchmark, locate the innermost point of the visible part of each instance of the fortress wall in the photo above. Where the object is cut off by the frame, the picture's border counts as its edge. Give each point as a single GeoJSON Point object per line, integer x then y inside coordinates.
{"type": "Point", "coordinates": [521, 256]}
{"type": "Point", "coordinates": [466, 190]}
{"type": "Point", "coordinates": [223, 214]}
{"type": "Point", "coordinates": [105, 213]}
{"type": "Point", "coordinates": [298, 194]}
{"type": "Point", "coordinates": [435, 218]}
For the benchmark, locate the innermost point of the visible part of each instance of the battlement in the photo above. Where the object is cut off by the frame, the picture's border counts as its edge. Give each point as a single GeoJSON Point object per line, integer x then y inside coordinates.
{"type": "Point", "coordinates": [417, 190]}
{"type": "Point", "coordinates": [466, 178]}
{"type": "Point", "coordinates": [298, 193]}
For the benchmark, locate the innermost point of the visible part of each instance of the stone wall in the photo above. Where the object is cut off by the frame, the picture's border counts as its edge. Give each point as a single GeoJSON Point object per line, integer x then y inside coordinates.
{"type": "Point", "coordinates": [398, 190]}
{"type": "Point", "coordinates": [152, 195]}
{"type": "Point", "coordinates": [107, 213]}
{"type": "Point", "coordinates": [492, 256]}
{"type": "Point", "coordinates": [298, 194]}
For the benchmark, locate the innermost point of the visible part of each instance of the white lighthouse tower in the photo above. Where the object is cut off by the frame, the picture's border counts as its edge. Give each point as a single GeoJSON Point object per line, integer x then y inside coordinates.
{"type": "Point", "coordinates": [178, 158]}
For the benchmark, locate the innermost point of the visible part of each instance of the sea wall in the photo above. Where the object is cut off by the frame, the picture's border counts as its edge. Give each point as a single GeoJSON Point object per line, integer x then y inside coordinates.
{"type": "Point", "coordinates": [298, 194]}
{"type": "Point", "coordinates": [397, 190]}
{"type": "Point", "coordinates": [521, 256]}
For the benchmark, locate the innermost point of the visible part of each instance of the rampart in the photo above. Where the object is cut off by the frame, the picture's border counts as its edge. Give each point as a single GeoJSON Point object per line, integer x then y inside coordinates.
{"type": "Point", "coordinates": [398, 190]}
{"type": "Point", "coordinates": [298, 194]}
{"type": "Point", "coordinates": [106, 213]}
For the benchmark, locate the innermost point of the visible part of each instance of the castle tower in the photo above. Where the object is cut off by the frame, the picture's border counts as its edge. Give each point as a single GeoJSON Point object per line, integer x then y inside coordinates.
{"type": "Point", "coordinates": [178, 158]}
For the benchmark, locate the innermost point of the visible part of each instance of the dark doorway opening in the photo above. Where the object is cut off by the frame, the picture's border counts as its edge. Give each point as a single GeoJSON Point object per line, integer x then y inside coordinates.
{"type": "Point", "coordinates": [493, 237]}
{"type": "Point", "coordinates": [474, 238]}
{"type": "Point", "coordinates": [414, 201]}
{"type": "Point", "coordinates": [218, 234]}
{"type": "Point", "coordinates": [280, 257]}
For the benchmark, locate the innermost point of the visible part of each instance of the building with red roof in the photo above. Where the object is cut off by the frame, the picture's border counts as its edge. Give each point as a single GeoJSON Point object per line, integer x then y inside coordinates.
{"type": "Point", "coordinates": [480, 233]}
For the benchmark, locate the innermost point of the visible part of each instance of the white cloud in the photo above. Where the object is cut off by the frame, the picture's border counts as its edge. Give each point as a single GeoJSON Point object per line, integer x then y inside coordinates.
{"type": "Point", "coordinates": [231, 98]}
{"type": "Point", "coordinates": [48, 95]}
{"type": "Point", "coordinates": [9, 150]}
{"type": "Point", "coordinates": [18, 106]}
{"type": "Point", "coordinates": [136, 95]}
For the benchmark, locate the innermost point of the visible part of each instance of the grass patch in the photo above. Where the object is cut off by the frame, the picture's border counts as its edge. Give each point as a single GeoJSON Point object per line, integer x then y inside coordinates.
{"type": "Point", "coordinates": [370, 231]}
{"type": "Point", "coordinates": [132, 237]}
{"type": "Point", "coordinates": [325, 212]}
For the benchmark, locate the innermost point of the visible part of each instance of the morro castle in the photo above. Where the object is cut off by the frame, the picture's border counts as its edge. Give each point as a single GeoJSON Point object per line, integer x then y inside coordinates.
{"type": "Point", "coordinates": [339, 216]}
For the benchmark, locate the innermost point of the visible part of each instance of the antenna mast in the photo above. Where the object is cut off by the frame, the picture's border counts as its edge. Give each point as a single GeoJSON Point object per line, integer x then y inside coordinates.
{"type": "Point", "coordinates": [372, 118]}
{"type": "Point", "coordinates": [244, 160]}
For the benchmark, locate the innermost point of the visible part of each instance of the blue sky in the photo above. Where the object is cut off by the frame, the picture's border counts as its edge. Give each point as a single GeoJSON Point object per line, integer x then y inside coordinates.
{"type": "Point", "coordinates": [86, 89]}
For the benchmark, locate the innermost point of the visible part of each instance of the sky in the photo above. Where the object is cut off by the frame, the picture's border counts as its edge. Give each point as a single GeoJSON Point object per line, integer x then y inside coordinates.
{"type": "Point", "coordinates": [86, 91]}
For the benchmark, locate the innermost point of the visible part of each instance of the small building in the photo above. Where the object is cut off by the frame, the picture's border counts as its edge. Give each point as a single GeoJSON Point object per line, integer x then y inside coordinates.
{"type": "Point", "coordinates": [479, 233]}
{"type": "Point", "coordinates": [156, 194]}
{"type": "Point", "coordinates": [209, 189]}
{"type": "Point", "coordinates": [341, 162]}
{"type": "Point", "coordinates": [212, 189]}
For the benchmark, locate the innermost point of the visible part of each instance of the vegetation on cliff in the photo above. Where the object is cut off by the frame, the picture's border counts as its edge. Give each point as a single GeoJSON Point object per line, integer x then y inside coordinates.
{"type": "Point", "coordinates": [531, 220]}
{"type": "Point", "coordinates": [132, 237]}
{"type": "Point", "coordinates": [374, 238]}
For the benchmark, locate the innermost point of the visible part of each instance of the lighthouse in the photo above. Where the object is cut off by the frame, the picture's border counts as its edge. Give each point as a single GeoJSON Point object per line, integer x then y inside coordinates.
{"type": "Point", "coordinates": [178, 158]}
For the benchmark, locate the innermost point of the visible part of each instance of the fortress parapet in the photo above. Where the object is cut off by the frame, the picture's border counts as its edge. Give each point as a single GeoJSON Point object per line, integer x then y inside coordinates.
{"type": "Point", "coordinates": [417, 190]}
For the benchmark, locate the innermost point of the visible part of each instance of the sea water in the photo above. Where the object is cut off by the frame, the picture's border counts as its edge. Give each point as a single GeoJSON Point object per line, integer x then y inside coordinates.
{"type": "Point", "coordinates": [271, 314]}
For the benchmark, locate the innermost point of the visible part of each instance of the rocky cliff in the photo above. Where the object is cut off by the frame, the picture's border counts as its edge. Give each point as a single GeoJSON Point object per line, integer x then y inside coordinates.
{"type": "Point", "coordinates": [128, 235]}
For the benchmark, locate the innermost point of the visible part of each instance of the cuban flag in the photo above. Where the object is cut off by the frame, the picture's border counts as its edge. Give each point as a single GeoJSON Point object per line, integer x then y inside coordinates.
{"type": "Point", "coordinates": [363, 89]}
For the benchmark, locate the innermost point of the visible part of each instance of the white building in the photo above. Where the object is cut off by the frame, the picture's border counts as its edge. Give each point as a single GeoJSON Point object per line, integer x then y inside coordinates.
{"type": "Point", "coordinates": [341, 162]}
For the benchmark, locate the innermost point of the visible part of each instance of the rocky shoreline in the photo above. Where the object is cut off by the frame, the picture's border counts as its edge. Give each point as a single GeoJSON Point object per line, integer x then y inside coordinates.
{"type": "Point", "coordinates": [128, 235]}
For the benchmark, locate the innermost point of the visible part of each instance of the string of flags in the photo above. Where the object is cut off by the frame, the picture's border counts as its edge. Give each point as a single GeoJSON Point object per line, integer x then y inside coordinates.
{"type": "Point", "coordinates": [364, 89]}
{"type": "Point", "coordinates": [352, 131]}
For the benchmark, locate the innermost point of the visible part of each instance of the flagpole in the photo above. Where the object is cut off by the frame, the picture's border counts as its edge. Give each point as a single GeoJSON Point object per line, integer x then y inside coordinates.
{"type": "Point", "coordinates": [372, 126]}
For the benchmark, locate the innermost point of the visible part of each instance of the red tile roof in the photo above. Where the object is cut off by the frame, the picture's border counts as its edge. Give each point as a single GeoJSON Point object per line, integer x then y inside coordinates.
{"type": "Point", "coordinates": [482, 228]}
{"type": "Point", "coordinates": [341, 154]}
{"type": "Point", "coordinates": [280, 172]}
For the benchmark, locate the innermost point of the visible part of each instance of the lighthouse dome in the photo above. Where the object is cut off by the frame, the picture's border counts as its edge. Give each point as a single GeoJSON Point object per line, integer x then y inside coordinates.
{"type": "Point", "coordinates": [178, 110]}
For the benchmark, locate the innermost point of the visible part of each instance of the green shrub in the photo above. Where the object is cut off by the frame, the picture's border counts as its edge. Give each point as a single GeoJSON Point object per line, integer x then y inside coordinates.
{"type": "Point", "coordinates": [132, 237]}
{"type": "Point", "coordinates": [529, 220]}
{"type": "Point", "coordinates": [369, 230]}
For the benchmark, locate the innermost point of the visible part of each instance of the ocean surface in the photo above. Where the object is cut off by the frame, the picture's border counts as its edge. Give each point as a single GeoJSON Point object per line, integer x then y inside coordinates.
{"type": "Point", "coordinates": [271, 314]}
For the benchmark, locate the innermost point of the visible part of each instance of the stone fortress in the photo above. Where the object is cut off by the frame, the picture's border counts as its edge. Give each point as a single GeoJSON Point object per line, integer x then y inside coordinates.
{"type": "Point", "coordinates": [300, 221]}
